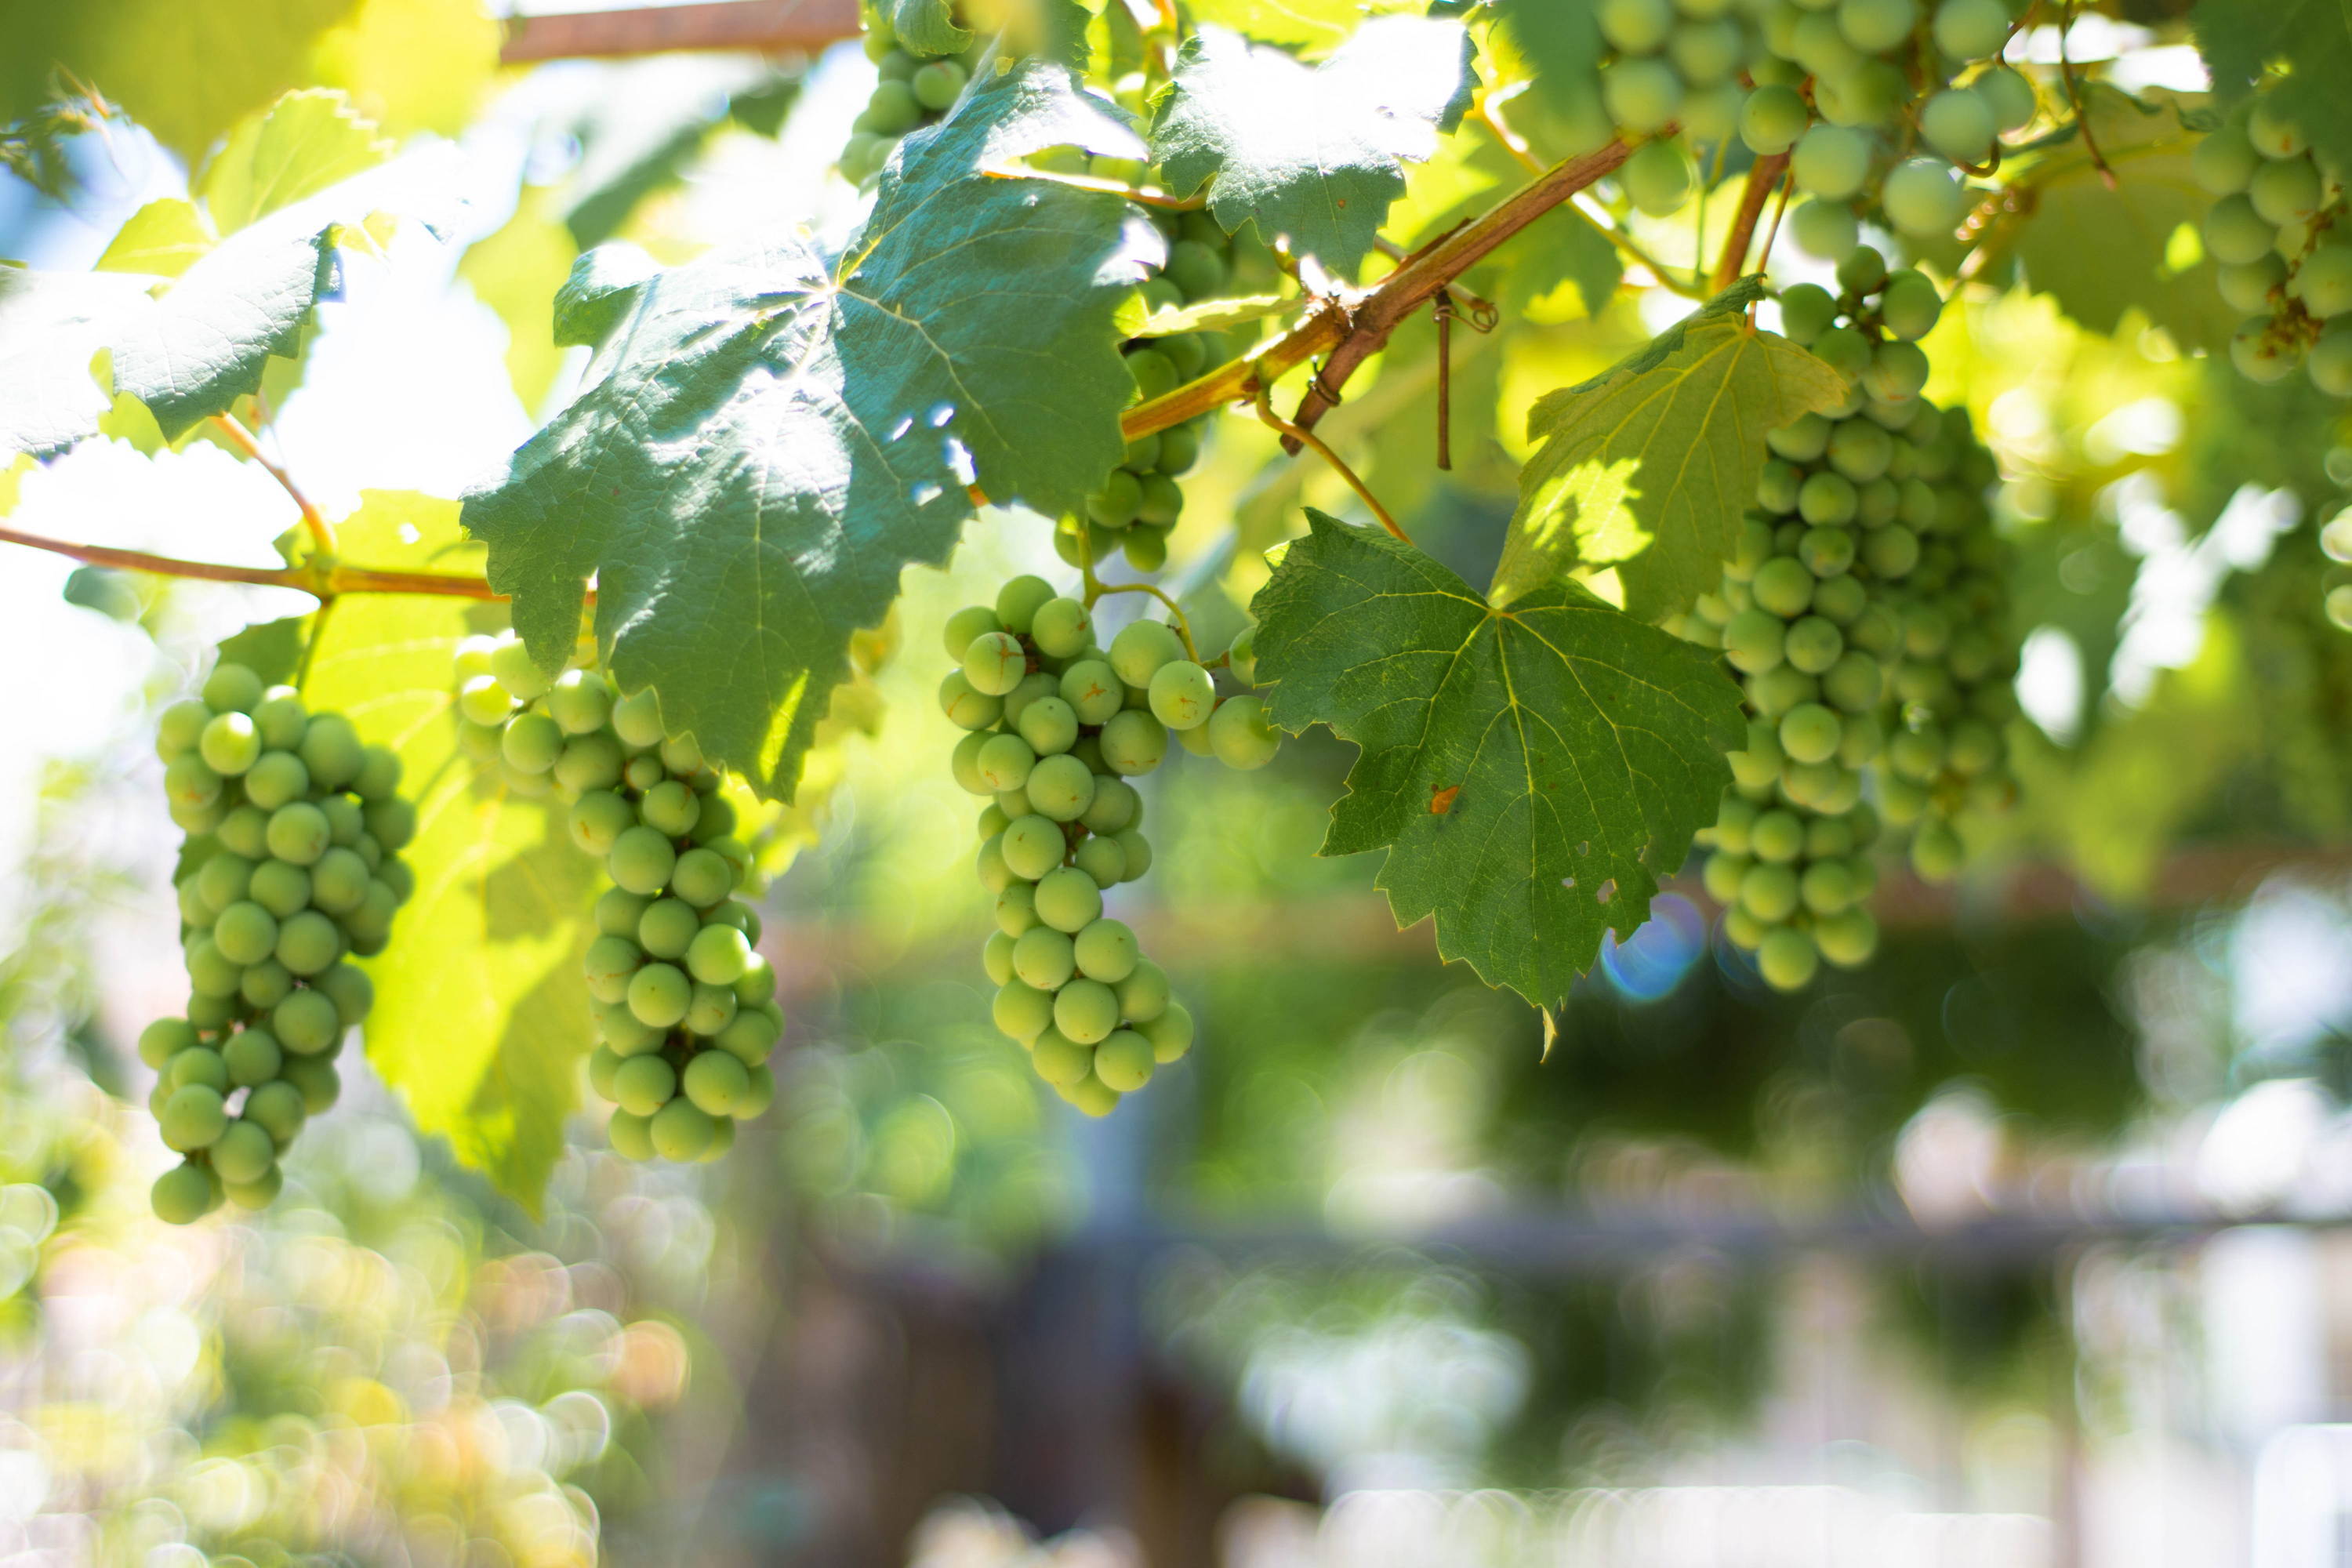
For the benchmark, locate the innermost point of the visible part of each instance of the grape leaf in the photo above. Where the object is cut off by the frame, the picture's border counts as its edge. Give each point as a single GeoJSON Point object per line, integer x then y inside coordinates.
{"type": "Point", "coordinates": [2100, 252]}
{"type": "Point", "coordinates": [482, 1019]}
{"type": "Point", "coordinates": [1531, 771]}
{"type": "Point", "coordinates": [271, 650]}
{"type": "Point", "coordinates": [777, 431]}
{"type": "Point", "coordinates": [516, 272]}
{"type": "Point", "coordinates": [1651, 468]}
{"type": "Point", "coordinates": [163, 239]}
{"type": "Point", "coordinates": [1311, 26]}
{"type": "Point", "coordinates": [1314, 155]}
{"type": "Point", "coordinates": [307, 142]}
{"type": "Point", "coordinates": [2312, 38]}
{"type": "Point", "coordinates": [1556, 45]}
{"type": "Point", "coordinates": [186, 354]}
{"type": "Point", "coordinates": [601, 287]}
{"type": "Point", "coordinates": [185, 70]}
{"type": "Point", "coordinates": [411, 65]}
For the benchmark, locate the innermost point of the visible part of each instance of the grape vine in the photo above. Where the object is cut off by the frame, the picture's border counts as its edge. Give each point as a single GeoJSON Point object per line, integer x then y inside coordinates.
{"type": "Point", "coordinates": [291, 866]}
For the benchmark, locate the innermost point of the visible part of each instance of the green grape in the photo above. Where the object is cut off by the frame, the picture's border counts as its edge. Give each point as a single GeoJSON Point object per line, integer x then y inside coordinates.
{"type": "Point", "coordinates": [194, 1116]}
{"type": "Point", "coordinates": [1134, 741]}
{"type": "Point", "coordinates": [164, 1038]}
{"type": "Point", "coordinates": [351, 992]}
{"type": "Point", "coordinates": [658, 994]}
{"type": "Point", "coordinates": [201, 1064]}
{"type": "Point", "coordinates": [1162, 507]}
{"type": "Point", "coordinates": [2260, 354]}
{"type": "Point", "coordinates": [532, 743]}
{"type": "Point", "coordinates": [963, 628]}
{"type": "Point", "coordinates": [1182, 694]}
{"type": "Point", "coordinates": [1059, 1060]}
{"type": "Point", "coordinates": [392, 820]}
{"type": "Point", "coordinates": [580, 703]}
{"type": "Point", "coordinates": [1847, 938]}
{"type": "Point", "coordinates": [1092, 689]}
{"type": "Point", "coordinates": [245, 933]}
{"type": "Point", "coordinates": [1636, 26]}
{"type": "Point", "coordinates": [1106, 951]}
{"type": "Point", "coordinates": [2269, 128]}
{"type": "Point", "coordinates": [1816, 43]}
{"type": "Point", "coordinates": [1022, 1011]}
{"type": "Point", "coordinates": [630, 1136]}
{"type": "Point", "coordinates": [710, 1010]}
{"type": "Point", "coordinates": [1085, 1011]}
{"type": "Point", "coordinates": [597, 822]}
{"type": "Point", "coordinates": [1068, 899]}
{"type": "Point", "coordinates": [1707, 51]}
{"type": "Point", "coordinates": [482, 700]}
{"type": "Point", "coordinates": [752, 1033]}
{"type": "Point", "coordinates": [1241, 735]}
{"type": "Point", "coordinates": [642, 860]}
{"type": "Point", "coordinates": [332, 751]}
{"type": "Point", "coordinates": [1115, 805]}
{"type": "Point", "coordinates": [996, 957]}
{"type": "Point", "coordinates": [2330, 361]}
{"type": "Point", "coordinates": [2014, 102]}
{"type": "Point", "coordinates": [1807, 310]}
{"type": "Point", "coordinates": [1050, 726]}
{"type": "Point", "coordinates": [1044, 958]}
{"type": "Point", "coordinates": [1643, 95]}
{"type": "Point", "coordinates": [2282, 192]}
{"type": "Point", "coordinates": [994, 663]}
{"type": "Point", "coordinates": [671, 809]}
{"type": "Point", "coordinates": [703, 876]}
{"type": "Point", "coordinates": [1877, 25]}
{"type": "Point", "coordinates": [1033, 846]}
{"type": "Point", "coordinates": [1196, 269]}
{"type": "Point", "coordinates": [1776, 837]}
{"type": "Point", "coordinates": [1831, 162]}
{"type": "Point", "coordinates": [989, 863]}
{"type": "Point", "coordinates": [1062, 628]}
{"type": "Point", "coordinates": [1016, 909]}
{"type": "Point", "coordinates": [937, 85]}
{"type": "Point", "coordinates": [1768, 893]}
{"type": "Point", "coordinates": [245, 831]}
{"type": "Point", "coordinates": [210, 972]}
{"type": "Point", "coordinates": [1659, 177]}
{"type": "Point", "coordinates": [1102, 859]}
{"type": "Point", "coordinates": [1114, 505]}
{"type": "Point", "coordinates": [2225, 162]}
{"type": "Point", "coordinates": [1971, 29]}
{"type": "Point", "coordinates": [1773, 118]}
{"type": "Point", "coordinates": [297, 834]}
{"type": "Point", "coordinates": [243, 1153]}
{"type": "Point", "coordinates": [230, 743]}
{"type": "Point", "coordinates": [1124, 1061]}
{"type": "Point", "coordinates": [1922, 199]}
{"type": "Point", "coordinates": [278, 1109]}
{"type": "Point", "coordinates": [233, 686]}
{"type": "Point", "coordinates": [1959, 123]}
{"type": "Point", "coordinates": [1787, 959]}
{"type": "Point", "coordinates": [1872, 93]}
{"type": "Point", "coordinates": [2248, 287]}
{"type": "Point", "coordinates": [180, 728]}
{"type": "Point", "coordinates": [1061, 787]}
{"type": "Point", "coordinates": [1814, 645]}
{"type": "Point", "coordinates": [184, 1195]}
{"type": "Point", "coordinates": [1910, 305]}
{"type": "Point", "coordinates": [682, 1132]}
{"type": "Point", "coordinates": [187, 782]}
{"type": "Point", "coordinates": [719, 955]}
{"type": "Point", "coordinates": [1721, 876]}
{"type": "Point", "coordinates": [339, 882]}
{"type": "Point", "coordinates": [307, 943]}
{"type": "Point", "coordinates": [1170, 1032]}
{"type": "Point", "coordinates": [1824, 228]}
{"type": "Point", "coordinates": [665, 930]}
{"type": "Point", "coordinates": [716, 1083]}
{"type": "Point", "coordinates": [1144, 994]}
{"type": "Point", "coordinates": [1137, 653]}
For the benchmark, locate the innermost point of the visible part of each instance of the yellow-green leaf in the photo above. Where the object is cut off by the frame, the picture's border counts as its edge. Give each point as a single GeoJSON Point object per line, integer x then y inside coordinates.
{"type": "Point", "coordinates": [515, 272]}
{"type": "Point", "coordinates": [1650, 468]}
{"type": "Point", "coordinates": [165, 237]}
{"type": "Point", "coordinates": [481, 1018]}
{"type": "Point", "coordinates": [412, 65]}
{"type": "Point", "coordinates": [306, 141]}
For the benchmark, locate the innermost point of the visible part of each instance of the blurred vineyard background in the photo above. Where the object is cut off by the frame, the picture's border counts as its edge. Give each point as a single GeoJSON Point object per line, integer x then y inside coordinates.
{"type": "Point", "coordinates": [2017, 1248]}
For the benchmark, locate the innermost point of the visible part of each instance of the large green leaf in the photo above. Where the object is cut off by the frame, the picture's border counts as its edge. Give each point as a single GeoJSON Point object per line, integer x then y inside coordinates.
{"type": "Point", "coordinates": [2311, 38]}
{"type": "Point", "coordinates": [1531, 771]}
{"type": "Point", "coordinates": [481, 1018]}
{"type": "Point", "coordinates": [1311, 26]}
{"type": "Point", "coordinates": [185, 70]}
{"type": "Point", "coordinates": [778, 432]}
{"type": "Point", "coordinates": [1557, 46]}
{"type": "Point", "coordinates": [1650, 468]}
{"type": "Point", "coordinates": [2100, 252]}
{"type": "Point", "coordinates": [185, 354]}
{"type": "Point", "coordinates": [515, 272]}
{"type": "Point", "coordinates": [307, 142]}
{"type": "Point", "coordinates": [1312, 155]}
{"type": "Point", "coordinates": [163, 239]}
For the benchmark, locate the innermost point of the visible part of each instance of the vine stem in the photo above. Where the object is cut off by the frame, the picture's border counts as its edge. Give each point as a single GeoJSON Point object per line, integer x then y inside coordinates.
{"type": "Point", "coordinates": [322, 582]}
{"type": "Point", "coordinates": [2075, 99]}
{"type": "Point", "coordinates": [1762, 177]}
{"type": "Point", "coordinates": [1304, 437]}
{"type": "Point", "coordinates": [1175, 611]}
{"type": "Point", "coordinates": [322, 532]}
{"type": "Point", "coordinates": [1354, 328]}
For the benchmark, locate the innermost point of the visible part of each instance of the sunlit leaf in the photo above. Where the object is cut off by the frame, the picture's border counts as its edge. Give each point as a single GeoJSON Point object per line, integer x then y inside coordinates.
{"type": "Point", "coordinates": [1530, 770]}
{"type": "Point", "coordinates": [306, 141]}
{"type": "Point", "coordinates": [1651, 468]}
{"type": "Point", "coordinates": [163, 239]}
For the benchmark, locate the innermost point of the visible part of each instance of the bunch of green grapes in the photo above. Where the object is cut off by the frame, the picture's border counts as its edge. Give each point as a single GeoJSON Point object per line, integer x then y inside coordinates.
{"type": "Point", "coordinates": [685, 1006]}
{"type": "Point", "coordinates": [2276, 233]}
{"type": "Point", "coordinates": [1057, 727]}
{"type": "Point", "coordinates": [1831, 82]}
{"type": "Point", "coordinates": [1863, 614]}
{"type": "Point", "coordinates": [1138, 504]}
{"type": "Point", "coordinates": [911, 90]}
{"type": "Point", "coordinates": [291, 866]}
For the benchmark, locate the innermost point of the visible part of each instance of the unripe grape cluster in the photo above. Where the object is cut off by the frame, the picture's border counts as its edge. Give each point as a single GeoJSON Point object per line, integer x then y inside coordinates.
{"type": "Point", "coordinates": [2276, 232]}
{"type": "Point", "coordinates": [1832, 83]}
{"type": "Point", "coordinates": [1864, 615]}
{"type": "Point", "coordinates": [911, 90]}
{"type": "Point", "coordinates": [1056, 727]}
{"type": "Point", "coordinates": [684, 1003]}
{"type": "Point", "coordinates": [1136, 507]}
{"type": "Point", "coordinates": [291, 867]}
